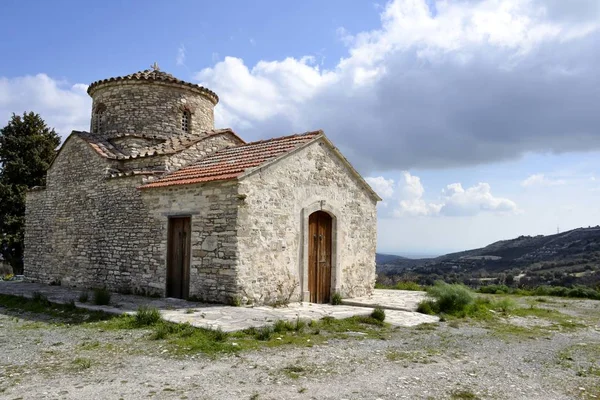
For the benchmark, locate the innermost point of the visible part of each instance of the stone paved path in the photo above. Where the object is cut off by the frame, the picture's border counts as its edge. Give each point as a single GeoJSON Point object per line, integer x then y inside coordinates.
{"type": "Point", "coordinates": [230, 318]}
{"type": "Point", "coordinates": [402, 300]}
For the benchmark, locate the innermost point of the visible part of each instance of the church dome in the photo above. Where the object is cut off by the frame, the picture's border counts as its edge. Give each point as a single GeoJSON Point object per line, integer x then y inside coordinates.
{"type": "Point", "coordinates": [150, 102]}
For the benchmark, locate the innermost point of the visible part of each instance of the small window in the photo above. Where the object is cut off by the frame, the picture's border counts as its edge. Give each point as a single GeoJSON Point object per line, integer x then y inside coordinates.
{"type": "Point", "coordinates": [98, 118]}
{"type": "Point", "coordinates": [186, 120]}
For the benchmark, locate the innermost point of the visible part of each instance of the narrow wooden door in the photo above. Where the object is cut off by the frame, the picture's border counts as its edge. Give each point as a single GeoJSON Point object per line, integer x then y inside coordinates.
{"type": "Point", "coordinates": [178, 257]}
{"type": "Point", "coordinates": [319, 257]}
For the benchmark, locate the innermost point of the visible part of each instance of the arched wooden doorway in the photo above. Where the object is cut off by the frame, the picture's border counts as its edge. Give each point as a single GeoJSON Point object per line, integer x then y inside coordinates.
{"type": "Point", "coordinates": [319, 256]}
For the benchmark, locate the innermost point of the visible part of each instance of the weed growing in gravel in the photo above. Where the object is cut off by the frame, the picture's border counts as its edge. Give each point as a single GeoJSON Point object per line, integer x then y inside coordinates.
{"type": "Point", "coordinates": [82, 363]}
{"type": "Point", "coordinates": [89, 345]}
{"type": "Point", "coordinates": [378, 314]}
{"type": "Point", "coordinates": [101, 297]}
{"type": "Point", "coordinates": [146, 316]}
{"type": "Point", "coordinates": [293, 371]}
{"type": "Point", "coordinates": [263, 333]}
{"type": "Point", "coordinates": [463, 395]}
{"type": "Point", "coordinates": [336, 299]}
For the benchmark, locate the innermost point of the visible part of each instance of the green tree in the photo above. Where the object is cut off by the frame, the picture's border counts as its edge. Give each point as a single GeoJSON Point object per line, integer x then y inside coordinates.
{"type": "Point", "coordinates": [27, 147]}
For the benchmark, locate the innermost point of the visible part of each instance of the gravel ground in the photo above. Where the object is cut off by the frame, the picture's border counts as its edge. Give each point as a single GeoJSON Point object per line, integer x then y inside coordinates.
{"type": "Point", "coordinates": [512, 358]}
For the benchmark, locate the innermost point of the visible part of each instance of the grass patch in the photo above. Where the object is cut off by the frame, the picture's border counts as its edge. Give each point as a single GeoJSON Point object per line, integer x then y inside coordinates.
{"type": "Point", "coordinates": [82, 363]}
{"type": "Point", "coordinates": [146, 316]}
{"type": "Point", "coordinates": [402, 285]}
{"type": "Point", "coordinates": [293, 371]}
{"type": "Point", "coordinates": [463, 395]}
{"type": "Point", "coordinates": [184, 339]}
{"type": "Point", "coordinates": [39, 304]}
{"type": "Point", "coordinates": [581, 292]}
{"type": "Point", "coordinates": [90, 345]}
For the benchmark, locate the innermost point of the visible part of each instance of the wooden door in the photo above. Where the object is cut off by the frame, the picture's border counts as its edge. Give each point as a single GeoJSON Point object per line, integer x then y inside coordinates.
{"type": "Point", "coordinates": [178, 257]}
{"type": "Point", "coordinates": [319, 257]}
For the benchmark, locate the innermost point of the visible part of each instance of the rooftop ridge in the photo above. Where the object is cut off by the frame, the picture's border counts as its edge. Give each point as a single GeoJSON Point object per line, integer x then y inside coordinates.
{"type": "Point", "coordinates": [155, 76]}
{"type": "Point", "coordinates": [232, 162]}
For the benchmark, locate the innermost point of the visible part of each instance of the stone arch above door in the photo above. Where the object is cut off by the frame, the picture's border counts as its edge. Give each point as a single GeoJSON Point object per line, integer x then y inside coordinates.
{"type": "Point", "coordinates": [336, 273]}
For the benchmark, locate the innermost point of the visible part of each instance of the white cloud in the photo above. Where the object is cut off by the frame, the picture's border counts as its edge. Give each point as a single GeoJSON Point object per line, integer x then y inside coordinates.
{"type": "Point", "coordinates": [383, 187]}
{"type": "Point", "coordinates": [541, 180]}
{"type": "Point", "coordinates": [474, 200]}
{"type": "Point", "coordinates": [180, 60]}
{"type": "Point", "coordinates": [63, 106]}
{"type": "Point", "coordinates": [475, 83]}
{"type": "Point", "coordinates": [411, 201]}
{"type": "Point", "coordinates": [454, 200]}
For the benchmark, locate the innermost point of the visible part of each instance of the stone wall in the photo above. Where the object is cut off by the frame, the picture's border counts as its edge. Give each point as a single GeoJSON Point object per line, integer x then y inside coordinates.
{"type": "Point", "coordinates": [151, 108]}
{"type": "Point", "coordinates": [270, 227]}
{"type": "Point", "coordinates": [213, 211]}
{"type": "Point", "coordinates": [88, 231]}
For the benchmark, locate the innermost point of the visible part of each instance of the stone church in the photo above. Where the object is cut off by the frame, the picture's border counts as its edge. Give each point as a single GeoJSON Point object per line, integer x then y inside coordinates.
{"type": "Point", "coordinates": [154, 200]}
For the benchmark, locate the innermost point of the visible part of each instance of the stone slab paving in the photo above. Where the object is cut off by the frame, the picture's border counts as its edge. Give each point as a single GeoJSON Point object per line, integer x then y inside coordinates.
{"type": "Point", "coordinates": [401, 300]}
{"type": "Point", "coordinates": [226, 318]}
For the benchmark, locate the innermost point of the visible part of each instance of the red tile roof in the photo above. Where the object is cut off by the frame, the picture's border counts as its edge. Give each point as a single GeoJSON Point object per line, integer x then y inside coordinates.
{"type": "Point", "coordinates": [232, 162]}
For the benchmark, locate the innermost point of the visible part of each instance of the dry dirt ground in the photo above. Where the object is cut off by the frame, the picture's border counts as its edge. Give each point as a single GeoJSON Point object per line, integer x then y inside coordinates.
{"type": "Point", "coordinates": [525, 355]}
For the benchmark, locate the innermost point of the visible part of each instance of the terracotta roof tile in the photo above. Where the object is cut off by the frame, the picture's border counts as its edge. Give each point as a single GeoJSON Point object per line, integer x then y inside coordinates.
{"type": "Point", "coordinates": [232, 162]}
{"type": "Point", "coordinates": [156, 76]}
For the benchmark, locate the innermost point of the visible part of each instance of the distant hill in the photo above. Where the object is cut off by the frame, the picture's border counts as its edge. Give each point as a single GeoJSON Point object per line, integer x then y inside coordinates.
{"type": "Point", "coordinates": [388, 263]}
{"type": "Point", "coordinates": [387, 258]}
{"type": "Point", "coordinates": [564, 256]}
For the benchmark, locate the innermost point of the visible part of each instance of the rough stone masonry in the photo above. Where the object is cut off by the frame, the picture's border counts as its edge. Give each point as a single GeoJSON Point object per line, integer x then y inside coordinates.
{"type": "Point", "coordinates": [152, 155]}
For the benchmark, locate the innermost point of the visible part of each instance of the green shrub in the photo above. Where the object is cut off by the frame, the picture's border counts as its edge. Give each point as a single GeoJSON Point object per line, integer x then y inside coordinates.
{"type": "Point", "coordinates": [450, 298]}
{"type": "Point", "coordinates": [299, 324]}
{"type": "Point", "coordinates": [235, 301]}
{"type": "Point", "coordinates": [263, 333]}
{"type": "Point", "coordinates": [495, 289]}
{"type": "Point", "coordinates": [505, 305]}
{"type": "Point", "coordinates": [378, 314]}
{"type": "Point", "coordinates": [427, 307]}
{"type": "Point", "coordinates": [282, 326]}
{"type": "Point", "coordinates": [219, 336]}
{"type": "Point", "coordinates": [408, 285]}
{"type": "Point", "coordinates": [101, 297]}
{"type": "Point", "coordinates": [146, 316]}
{"type": "Point", "coordinates": [583, 292]}
{"type": "Point", "coordinates": [161, 331]}
{"type": "Point", "coordinates": [336, 299]}
{"type": "Point", "coordinates": [84, 297]}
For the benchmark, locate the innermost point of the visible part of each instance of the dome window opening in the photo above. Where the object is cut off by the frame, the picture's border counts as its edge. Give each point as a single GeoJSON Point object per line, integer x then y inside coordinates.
{"type": "Point", "coordinates": [186, 120]}
{"type": "Point", "coordinates": [98, 118]}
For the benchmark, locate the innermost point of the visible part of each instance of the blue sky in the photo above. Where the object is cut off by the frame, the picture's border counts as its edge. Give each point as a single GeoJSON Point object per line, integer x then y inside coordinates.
{"type": "Point", "coordinates": [82, 41]}
{"type": "Point", "coordinates": [475, 120]}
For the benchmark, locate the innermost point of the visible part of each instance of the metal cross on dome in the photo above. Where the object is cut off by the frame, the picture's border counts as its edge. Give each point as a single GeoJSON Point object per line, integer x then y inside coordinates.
{"type": "Point", "coordinates": [155, 66]}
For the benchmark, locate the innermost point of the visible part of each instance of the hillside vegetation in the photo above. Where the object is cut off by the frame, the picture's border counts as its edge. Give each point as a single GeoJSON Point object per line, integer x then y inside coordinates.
{"type": "Point", "coordinates": [566, 259]}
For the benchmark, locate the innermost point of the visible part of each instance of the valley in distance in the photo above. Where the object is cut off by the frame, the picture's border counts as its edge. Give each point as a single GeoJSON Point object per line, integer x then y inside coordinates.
{"type": "Point", "coordinates": [567, 259]}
